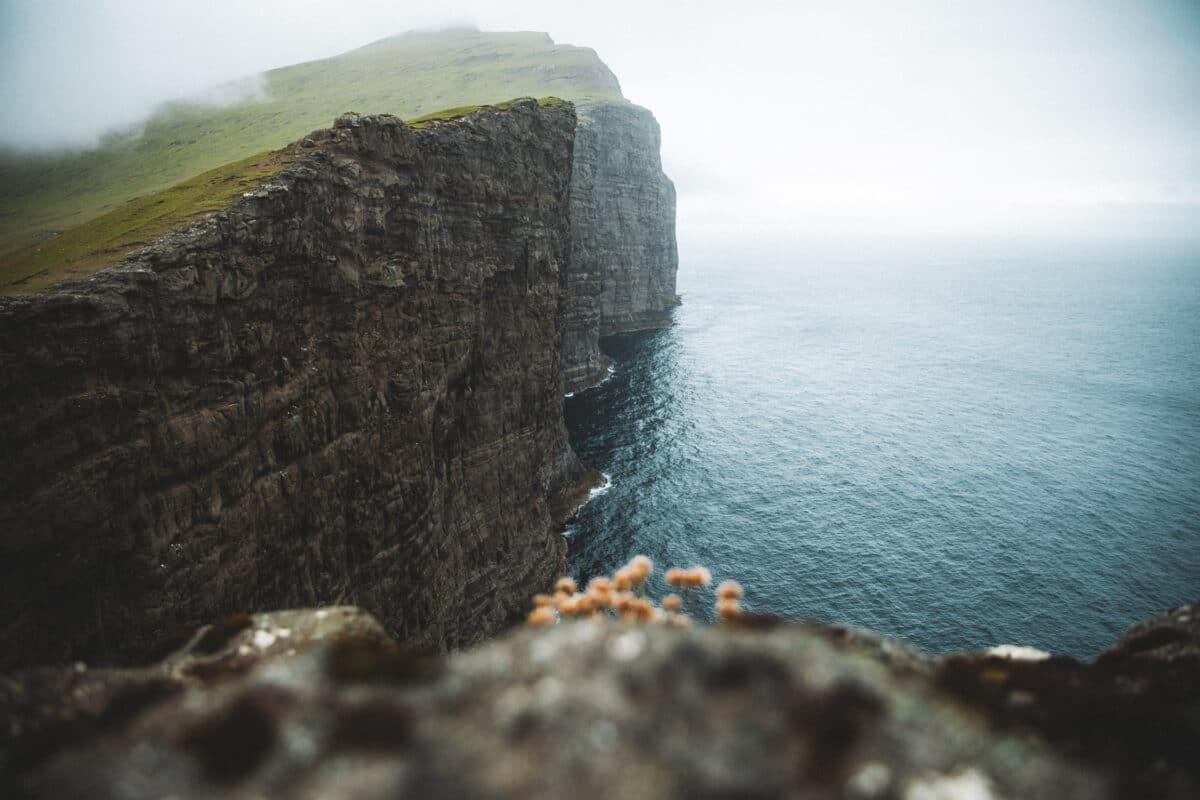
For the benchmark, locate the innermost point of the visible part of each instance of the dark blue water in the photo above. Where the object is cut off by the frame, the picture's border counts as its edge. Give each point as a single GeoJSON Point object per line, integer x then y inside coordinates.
{"type": "Point", "coordinates": [958, 446]}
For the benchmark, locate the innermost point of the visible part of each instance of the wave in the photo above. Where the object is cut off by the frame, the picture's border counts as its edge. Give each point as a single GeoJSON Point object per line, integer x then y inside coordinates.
{"type": "Point", "coordinates": [605, 484]}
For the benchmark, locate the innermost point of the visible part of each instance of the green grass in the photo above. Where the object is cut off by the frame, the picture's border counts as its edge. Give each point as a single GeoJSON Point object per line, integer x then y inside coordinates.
{"type": "Point", "coordinates": [461, 111]}
{"type": "Point", "coordinates": [105, 239]}
{"type": "Point", "coordinates": [411, 76]}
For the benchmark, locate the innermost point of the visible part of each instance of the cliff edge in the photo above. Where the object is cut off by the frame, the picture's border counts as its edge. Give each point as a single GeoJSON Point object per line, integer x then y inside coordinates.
{"type": "Point", "coordinates": [624, 256]}
{"type": "Point", "coordinates": [346, 387]}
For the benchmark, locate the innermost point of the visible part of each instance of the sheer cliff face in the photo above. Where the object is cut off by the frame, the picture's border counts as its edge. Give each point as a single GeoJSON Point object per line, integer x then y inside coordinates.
{"type": "Point", "coordinates": [345, 388]}
{"type": "Point", "coordinates": [623, 252]}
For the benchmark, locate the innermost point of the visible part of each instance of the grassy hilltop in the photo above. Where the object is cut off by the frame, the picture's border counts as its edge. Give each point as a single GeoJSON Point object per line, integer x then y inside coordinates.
{"type": "Point", "coordinates": [411, 75]}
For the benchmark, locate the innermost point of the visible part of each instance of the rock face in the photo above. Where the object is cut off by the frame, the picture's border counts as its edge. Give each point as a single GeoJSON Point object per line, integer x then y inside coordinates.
{"type": "Point", "coordinates": [347, 387]}
{"type": "Point", "coordinates": [321, 704]}
{"type": "Point", "coordinates": [623, 250]}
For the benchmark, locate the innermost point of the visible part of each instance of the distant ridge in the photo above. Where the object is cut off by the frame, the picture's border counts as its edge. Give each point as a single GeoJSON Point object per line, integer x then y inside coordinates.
{"type": "Point", "coordinates": [409, 75]}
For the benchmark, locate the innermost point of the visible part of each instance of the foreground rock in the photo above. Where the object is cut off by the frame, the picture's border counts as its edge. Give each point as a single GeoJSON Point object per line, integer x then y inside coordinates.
{"type": "Point", "coordinates": [346, 387]}
{"type": "Point", "coordinates": [323, 704]}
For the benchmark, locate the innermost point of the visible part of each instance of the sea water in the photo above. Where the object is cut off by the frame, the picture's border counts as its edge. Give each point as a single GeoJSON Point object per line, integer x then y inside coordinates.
{"type": "Point", "coordinates": [959, 445]}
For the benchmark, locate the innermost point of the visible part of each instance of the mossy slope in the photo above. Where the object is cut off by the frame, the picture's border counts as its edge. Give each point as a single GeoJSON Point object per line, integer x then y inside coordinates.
{"type": "Point", "coordinates": [105, 239]}
{"type": "Point", "coordinates": [409, 75]}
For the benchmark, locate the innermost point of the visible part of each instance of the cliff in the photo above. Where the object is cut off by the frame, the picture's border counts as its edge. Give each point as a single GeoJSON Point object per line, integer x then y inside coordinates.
{"type": "Point", "coordinates": [322, 704]}
{"type": "Point", "coordinates": [623, 256]}
{"type": "Point", "coordinates": [623, 251]}
{"type": "Point", "coordinates": [409, 75]}
{"type": "Point", "coordinates": [346, 387]}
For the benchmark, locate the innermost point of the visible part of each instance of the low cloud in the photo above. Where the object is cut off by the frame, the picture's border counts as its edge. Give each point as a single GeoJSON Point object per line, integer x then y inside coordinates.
{"type": "Point", "coordinates": [965, 115]}
{"type": "Point", "coordinates": [231, 93]}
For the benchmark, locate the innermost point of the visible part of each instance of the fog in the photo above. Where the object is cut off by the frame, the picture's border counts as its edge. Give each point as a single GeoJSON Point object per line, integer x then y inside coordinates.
{"type": "Point", "coordinates": [923, 117]}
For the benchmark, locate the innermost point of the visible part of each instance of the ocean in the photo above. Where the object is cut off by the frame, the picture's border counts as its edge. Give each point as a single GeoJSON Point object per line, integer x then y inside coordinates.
{"type": "Point", "coordinates": [959, 445]}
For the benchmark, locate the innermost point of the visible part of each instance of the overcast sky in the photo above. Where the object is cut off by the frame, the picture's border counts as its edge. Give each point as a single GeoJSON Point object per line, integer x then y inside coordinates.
{"type": "Point", "coordinates": [976, 117]}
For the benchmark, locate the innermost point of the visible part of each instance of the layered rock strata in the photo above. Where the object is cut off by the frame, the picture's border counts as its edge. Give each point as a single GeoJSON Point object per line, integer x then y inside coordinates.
{"type": "Point", "coordinates": [345, 388]}
{"type": "Point", "coordinates": [322, 704]}
{"type": "Point", "coordinates": [623, 251]}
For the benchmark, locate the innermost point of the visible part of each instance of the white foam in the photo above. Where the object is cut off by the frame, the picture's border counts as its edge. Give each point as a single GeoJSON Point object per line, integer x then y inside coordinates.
{"type": "Point", "coordinates": [1016, 652]}
{"type": "Point", "coordinates": [263, 639]}
{"type": "Point", "coordinates": [602, 488]}
{"type": "Point", "coordinates": [970, 784]}
{"type": "Point", "coordinates": [608, 373]}
{"type": "Point", "coordinates": [607, 483]}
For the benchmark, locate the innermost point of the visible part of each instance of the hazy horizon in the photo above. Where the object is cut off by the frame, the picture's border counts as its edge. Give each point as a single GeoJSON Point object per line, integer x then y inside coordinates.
{"type": "Point", "coordinates": [1080, 119]}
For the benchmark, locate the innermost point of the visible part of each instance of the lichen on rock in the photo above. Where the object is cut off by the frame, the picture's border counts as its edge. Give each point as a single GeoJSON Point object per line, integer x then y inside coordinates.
{"type": "Point", "coordinates": [336, 708]}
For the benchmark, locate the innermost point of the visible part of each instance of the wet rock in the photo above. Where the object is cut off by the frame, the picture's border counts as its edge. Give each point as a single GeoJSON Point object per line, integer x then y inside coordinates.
{"type": "Point", "coordinates": [1134, 713]}
{"type": "Point", "coordinates": [1172, 637]}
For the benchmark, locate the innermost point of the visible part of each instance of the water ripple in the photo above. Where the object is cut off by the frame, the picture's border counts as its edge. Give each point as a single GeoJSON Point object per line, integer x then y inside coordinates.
{"type": "Point", "coordinates": [958, 450]}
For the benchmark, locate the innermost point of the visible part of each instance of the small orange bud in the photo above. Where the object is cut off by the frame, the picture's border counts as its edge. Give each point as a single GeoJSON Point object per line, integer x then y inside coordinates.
{"type": "Point", "coordinates": [640, 568]}
{"type": "Point", "coordinates": [565, 586]}
{"type": "Point", "coordinates": [623, 580]}
{"type": "Point", "coordinates": [642, 609]}
{"type": "Point", "coordinates": [729, 590]}
{"type": "Point", "coordinates": [566, 604]}
{"type": "Point", "coordinates": [622, 601]}
{"type": "Point", "coordinates": [675, 576]}
{"type": "Point", "coordinates": [542, 600]}
{"type": "Point", "coordinates": [728, 608]}
{"type": "Point", "coordinates": [672, 603]}
{"type": "Point", "coordinates": [603, 597]}
{"type": "Point", "coordinates": [542, 615]}
{"type": "Point", "coordinates": [599, 583]}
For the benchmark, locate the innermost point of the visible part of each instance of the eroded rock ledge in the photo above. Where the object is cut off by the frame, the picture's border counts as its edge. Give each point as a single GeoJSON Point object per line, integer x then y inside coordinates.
{"type": "Point", "coordinates": [323, 704]}
{"type": "Point", "coordinates": [347, 387]}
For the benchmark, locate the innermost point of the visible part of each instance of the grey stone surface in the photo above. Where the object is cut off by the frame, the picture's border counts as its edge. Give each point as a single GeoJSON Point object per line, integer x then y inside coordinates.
{"type": "Point", "coordinates": [321, 704]}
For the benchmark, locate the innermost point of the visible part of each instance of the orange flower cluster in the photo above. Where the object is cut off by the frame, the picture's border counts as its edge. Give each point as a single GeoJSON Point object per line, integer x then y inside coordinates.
{"type": "Point", "coordinates": [692, 578]}
{"type": "Point", "coordinates": [729, 596]}
{"type": "Point", "coordinates": [623, 596]}
{"type": "Point", "coordinates": [633, 576]}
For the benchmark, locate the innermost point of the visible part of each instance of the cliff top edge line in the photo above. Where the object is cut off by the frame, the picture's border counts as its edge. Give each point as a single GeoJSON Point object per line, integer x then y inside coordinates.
{"type": "Point", "coordinates": [44, 195]}
{"type": "Point", "coordinates": [110, 238]}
